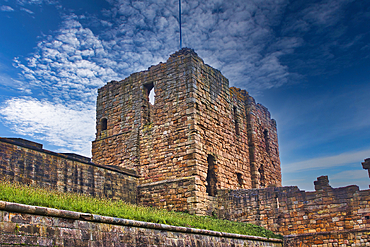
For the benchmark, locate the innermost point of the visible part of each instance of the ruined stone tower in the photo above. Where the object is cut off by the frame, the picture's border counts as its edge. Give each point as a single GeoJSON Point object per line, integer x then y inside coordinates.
{"type": "Point", "coordinates": [200, 136]}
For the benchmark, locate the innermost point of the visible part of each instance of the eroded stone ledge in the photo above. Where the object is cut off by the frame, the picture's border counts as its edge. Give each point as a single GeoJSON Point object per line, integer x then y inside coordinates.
{"type": "Point", "coordinates": [44, 211]}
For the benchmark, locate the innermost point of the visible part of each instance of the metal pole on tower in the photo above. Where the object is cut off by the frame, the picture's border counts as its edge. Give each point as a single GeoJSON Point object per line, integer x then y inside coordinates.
{"type": "Point", "coordinates": [180, 24]}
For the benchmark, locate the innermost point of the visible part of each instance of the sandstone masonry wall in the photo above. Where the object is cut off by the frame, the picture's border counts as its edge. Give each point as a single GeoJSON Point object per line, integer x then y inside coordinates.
{"type": "Point", "coordinates": [330, 214]}
{"type": "Point", "coordinates": [118, 116]}
{"type": "Point", "coordinates": [359, 237]}
{"type": "Point", "coordinates": [26, 162]}
{"type": "Point", "coordinates": [38, 226]}
{"type": "Point", "coordinates": [198, 127]}
{"type": "Point", "coordinates": [172, 194]}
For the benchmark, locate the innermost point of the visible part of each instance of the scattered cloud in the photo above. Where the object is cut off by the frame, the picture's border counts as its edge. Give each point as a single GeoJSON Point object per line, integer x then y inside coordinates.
{"type": "Point", "coordinates": [237, 37]}
{"type": "Point", "coordinates": [71, 127]}
{"type": "Point", "coordinates": [38, 2]}
{"type": "Point", "coordinates": [70, 65]}
{"type": "Point", "coordinates": [350, 177]}
{"type": "Point", "coordinates": [354, 174]}
{"type": "Point", "coordinates": [27, 10]}
{"type": "Point", "coordinates": [328, 161]}
{"type": "Point", "coordinates": [6, 8]}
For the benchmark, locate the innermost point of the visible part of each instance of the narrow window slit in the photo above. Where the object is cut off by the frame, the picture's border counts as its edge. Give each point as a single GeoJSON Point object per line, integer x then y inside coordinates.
{"type": "Point", "coordinates": [240, 179]}
{"type": "Point", "coordinates": [236, 122]}
{"type": "Point", "coordinates": [103, 124]}
{"type": "Point", "coordinates": [266, 139]}
{"type": "Point", "coordinates": [211, 188]}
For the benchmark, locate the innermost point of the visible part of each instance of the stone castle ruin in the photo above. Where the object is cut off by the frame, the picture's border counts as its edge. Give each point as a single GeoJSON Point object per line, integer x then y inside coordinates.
{"type": "Point", "coordinates": [199, 132]}
{"type": "Point", "coordinates": [202, 148]}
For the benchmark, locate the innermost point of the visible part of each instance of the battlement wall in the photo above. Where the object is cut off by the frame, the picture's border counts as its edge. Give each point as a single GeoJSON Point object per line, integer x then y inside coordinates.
{"type": "Point", "coordinates": [26, 162]}
{"type": "Point", "coordinates": [327, 215]}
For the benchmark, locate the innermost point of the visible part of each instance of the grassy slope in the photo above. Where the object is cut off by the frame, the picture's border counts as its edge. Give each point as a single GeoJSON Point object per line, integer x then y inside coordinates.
{"type": "Point", "coordinates": [13, 192]}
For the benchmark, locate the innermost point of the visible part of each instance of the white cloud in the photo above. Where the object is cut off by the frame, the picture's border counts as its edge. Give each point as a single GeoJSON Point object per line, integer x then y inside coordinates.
{"type": "Point", "coordinates": [352, 174]}
{"type": "Point", "coordinates": [236, 37]}
{"type": "Point", "coordinates": [71, 64]}
{"type": "Point", "coordinates": [345, 178]}
{"type": "Point", "coordinates": [6, 8]}
{"type": "Point", "coordinates": [38, 2]}
{"type": "Point", "coordinates": [326, 162]}
{"type": "Point", "coordinates": [27, 10]}
{"type": "Point", "coordinates": [70, 127]}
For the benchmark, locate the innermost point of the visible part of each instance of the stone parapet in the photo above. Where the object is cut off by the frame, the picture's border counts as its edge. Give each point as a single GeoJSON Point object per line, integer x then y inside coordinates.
{"type": "Point", "coordinates": [358, 237]}
{"type": "Point", "coordinates": [290, 211]}
{"type": "Point", "coordinates": [29, 164]}
{"type": "Point", "coordinates": [39, 226]}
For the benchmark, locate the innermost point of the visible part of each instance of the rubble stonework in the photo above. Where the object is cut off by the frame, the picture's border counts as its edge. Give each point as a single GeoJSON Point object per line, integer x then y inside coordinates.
{"type": "Point", "coordinates": [198, 128]}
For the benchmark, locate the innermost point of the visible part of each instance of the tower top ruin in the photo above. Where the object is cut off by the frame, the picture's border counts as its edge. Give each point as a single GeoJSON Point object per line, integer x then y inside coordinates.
{"type": "Point", "coordinates": [199, 134]}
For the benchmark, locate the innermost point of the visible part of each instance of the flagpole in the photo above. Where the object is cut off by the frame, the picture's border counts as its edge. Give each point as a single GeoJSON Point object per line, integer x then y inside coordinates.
{"type": "Point", "coordinates": [180, 24]}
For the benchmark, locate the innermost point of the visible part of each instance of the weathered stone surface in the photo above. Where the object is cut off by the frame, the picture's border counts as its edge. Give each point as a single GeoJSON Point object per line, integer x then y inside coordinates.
{"type": "Point", "coordinates": [198, 127]}
{"type": "Point", "coordinates": [108, 231]}
{"type": "Point", "coordinates": [202, 147]}
{"type": "Point", "coordinates": [328, 213]}
{"type": "Point", "coordinates": [30, 164]}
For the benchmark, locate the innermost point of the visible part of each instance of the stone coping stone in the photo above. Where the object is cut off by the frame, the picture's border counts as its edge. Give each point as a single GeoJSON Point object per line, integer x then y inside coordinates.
{"type": "Point", "coordinates": [23, 208]}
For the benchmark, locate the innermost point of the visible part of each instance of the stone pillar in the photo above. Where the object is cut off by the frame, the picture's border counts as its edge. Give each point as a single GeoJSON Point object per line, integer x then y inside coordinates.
{"type": "Point", "coordinates": [366, 166]}
{"type": "Point", "coordinates": [322, 183]}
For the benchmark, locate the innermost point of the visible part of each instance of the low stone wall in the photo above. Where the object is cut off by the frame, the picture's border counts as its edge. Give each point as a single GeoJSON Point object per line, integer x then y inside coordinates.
{"type": "Point", "coordinates": [330, 214]}
{"type": "Point", "coordinates": [27, 162]}
{"type": "Point", "coordinates": [329, 239]}
{"type": "Point", "coordinates": [39, 226]}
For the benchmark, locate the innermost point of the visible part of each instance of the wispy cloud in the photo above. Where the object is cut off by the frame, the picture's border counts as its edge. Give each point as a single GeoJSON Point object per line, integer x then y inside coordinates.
{"type": "Point", "coordinates": [27, 10]}
{"type": "Point", "coordinates": [237, 37]}
{"type": "Point", "coordinates": [71, 127]}
{"type": "Point", "coordinates": [6, 8]}
{"type": "Point", "coordinates": [70, 65]}
{"type": "Point", "coordinates": [38, 2]}
{"type": "Point", "coordinates": [328, 161]}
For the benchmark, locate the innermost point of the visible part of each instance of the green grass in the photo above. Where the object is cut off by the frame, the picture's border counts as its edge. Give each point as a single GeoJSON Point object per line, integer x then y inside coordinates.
{"type": "Point", "coordinates": [32, 195]}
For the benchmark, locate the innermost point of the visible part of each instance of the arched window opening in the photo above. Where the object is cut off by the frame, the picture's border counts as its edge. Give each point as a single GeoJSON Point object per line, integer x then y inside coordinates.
{"type": "Point", "coordinates": [236, 122]}
{"type": "Point", "coordinates": [266, 139]}
{"type": "Point", "coordinates": [240, 179]}
{"type": "Point", "coordinates": [103, 124]}
{"type": "Point", "coordinates": [261, 171]}
{"type": "Point", "coordinates": [211, 188]}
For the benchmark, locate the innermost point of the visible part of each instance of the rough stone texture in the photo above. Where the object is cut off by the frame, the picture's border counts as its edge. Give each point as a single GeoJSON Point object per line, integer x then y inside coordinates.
{"type": "Point", "coordinates": [172, 194]}
{"type": "Point", "coordinates": [366, 165]}
{"type": "Point", "coordinates": [329, 239]}
{"type": "Point", "coordinates": [65, 228]}
{"type": "Point", "coordinates": [26, 162]}
{"type": "Point", "coordinates": [198, 127]}
{"type": "Point", "coordinates": [287, 210]}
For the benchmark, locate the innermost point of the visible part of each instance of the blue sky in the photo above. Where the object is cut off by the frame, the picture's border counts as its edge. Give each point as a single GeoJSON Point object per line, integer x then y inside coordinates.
{"type": "Point", "coordinates": [307, 61]}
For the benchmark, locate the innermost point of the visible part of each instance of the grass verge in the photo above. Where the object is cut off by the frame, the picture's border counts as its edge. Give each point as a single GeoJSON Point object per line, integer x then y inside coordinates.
{"type": "Point", "coordinates": [33, 195]}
